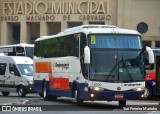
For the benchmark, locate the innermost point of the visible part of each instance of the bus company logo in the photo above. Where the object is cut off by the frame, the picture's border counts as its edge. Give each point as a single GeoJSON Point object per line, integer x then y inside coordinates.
{"type": "Point", "coordinates": [122, 85]}
{"type": "Point", "coordinates": [118, 88]}
{"type": "Point", "coordinates": [132, 84]}
{"type": "Point", "coordinates": [62, 65]}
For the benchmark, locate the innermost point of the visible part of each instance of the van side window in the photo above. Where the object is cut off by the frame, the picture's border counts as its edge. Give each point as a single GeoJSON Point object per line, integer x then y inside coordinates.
{"type": "Point", "coordinates": [2, 68]}
{"type": "Point", "coordinates": [13, 70]}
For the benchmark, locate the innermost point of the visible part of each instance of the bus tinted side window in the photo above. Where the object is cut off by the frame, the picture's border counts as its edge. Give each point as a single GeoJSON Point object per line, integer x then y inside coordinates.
{"type": "Point", "coordinates": [58, 47]}
{"type": "Point", "coordinates": [38, 52]}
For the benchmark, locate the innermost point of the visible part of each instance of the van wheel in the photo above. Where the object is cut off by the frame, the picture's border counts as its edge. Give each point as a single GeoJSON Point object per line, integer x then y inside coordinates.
{"type": "Point", "coordinates": [5, 93]}
{"type": "Point", "coordinates": [21, 91]}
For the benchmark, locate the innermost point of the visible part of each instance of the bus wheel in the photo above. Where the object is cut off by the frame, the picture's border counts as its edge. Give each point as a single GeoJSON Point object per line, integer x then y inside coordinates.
{"type": "Point", "coordinates": [147, 93]}
{"type": "Point", "coordinates": [21, 91]}
{"type": "Point", "coordinates": [46, 96]}
{"type": "Point", "coordinates": [5, 93]}
{"type": "Point", "coordinates": [122, 103]}
{"type": "Point", "coordinates": [78, 100]}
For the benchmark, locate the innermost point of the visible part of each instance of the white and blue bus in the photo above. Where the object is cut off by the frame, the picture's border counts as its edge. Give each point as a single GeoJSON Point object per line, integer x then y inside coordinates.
{"type": "Point", "coordinates": [91, 62]}
{"type": "Point", "coordinates": [18, 50]}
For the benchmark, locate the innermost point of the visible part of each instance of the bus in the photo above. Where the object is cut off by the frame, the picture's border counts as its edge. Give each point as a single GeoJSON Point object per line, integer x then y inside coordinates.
{"type": "Point", "coordinates": [18, 50]}
{"type": "Point", "coordinates": [91, 63]}
{"type": "Point", "coordinates": [152, 76]}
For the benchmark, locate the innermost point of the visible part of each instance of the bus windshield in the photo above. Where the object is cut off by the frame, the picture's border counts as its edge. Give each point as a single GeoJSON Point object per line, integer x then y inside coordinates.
{"type": "Point", "coordinates": [29, 52]}
{"type": "Point", "coordinates": [20, 51]}
{"type": "Point", "coordinates": [116, 62]}
{"type": "Point", "coordinates": [26, 69]}
{"type": "Point", "coordinates": [115, 41]}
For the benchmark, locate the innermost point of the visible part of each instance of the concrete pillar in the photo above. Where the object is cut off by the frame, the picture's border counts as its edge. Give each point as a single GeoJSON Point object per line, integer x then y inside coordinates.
{"type": "Point", "coordinates": [120, 13]}
{"type": "Point", "coordinates": [3, 33]}
{"type": "Point", "coordinates": [153, 44]}
{"type": "Point", "coordinates": [64, 25]}
{"type": "Point", "coordinates": [85, 23]}
{"type": "Point", "coordinates": [25, 34]}
{"type": "Point", "coordinates": [43, 29]}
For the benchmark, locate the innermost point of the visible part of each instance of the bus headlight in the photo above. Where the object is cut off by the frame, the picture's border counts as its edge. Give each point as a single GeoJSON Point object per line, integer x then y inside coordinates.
{"type": "Point", "coordinates": [95, 88]}
{"type": "Point", "coordinates": [138, 89]}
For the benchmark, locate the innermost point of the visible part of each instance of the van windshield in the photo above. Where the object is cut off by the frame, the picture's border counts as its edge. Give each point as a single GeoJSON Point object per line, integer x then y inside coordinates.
{"type": "Point", "coordinates": [26, 69]}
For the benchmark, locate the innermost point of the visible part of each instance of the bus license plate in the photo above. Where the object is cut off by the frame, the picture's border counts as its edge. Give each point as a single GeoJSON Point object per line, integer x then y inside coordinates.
{"type": "Point", "coordinates": [118, 96]}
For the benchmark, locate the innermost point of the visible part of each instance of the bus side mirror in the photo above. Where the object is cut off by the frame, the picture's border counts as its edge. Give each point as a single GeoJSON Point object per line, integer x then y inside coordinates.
{"type": "Point", "coordinates": [87, 55]}
{"type": "Point", "coordinates": [150, 54]}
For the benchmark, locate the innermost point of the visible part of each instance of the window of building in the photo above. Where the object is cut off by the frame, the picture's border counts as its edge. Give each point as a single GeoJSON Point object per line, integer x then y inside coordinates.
{"type": "Point", "coordinates": [97, 23]}
{"type": "Point", "coordinates": [16, 32]}
{"type": "Point", "coordinates": [34, 31]}
{"type": "Point", "coordinates": [147, 43]}
{"type": "Point", "coordinates": [74, 24]}
{"type": "Point", "coordinates": [53, 28]}
{"type": "Point", "coordinates": [157, 43]}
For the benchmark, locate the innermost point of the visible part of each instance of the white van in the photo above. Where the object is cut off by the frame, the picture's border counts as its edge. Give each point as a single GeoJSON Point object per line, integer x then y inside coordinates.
{"type": "Point", "coordinates": [16, 75]}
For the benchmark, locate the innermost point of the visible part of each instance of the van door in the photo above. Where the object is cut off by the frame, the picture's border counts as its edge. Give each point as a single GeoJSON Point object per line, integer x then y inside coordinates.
{"type": "Point", "coordinates": [13, 78]}
{"type": "Point", "coordinates": [3, 67]}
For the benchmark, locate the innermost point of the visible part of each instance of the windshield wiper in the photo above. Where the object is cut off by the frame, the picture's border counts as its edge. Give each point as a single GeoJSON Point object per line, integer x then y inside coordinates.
{"type": "Point", "coordinates": [129, 74]}
{"type": "Point", "coordinates": [108, 77]}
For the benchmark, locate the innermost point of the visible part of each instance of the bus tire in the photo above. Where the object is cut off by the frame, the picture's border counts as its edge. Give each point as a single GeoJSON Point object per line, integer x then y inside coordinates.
{"type": "Point", "coordinates": [122, 103]}
{"type": "Point", "coordinates": [148, 94]}
{"type": "Point", "coordinates": [44, 91]}
{"type": "Point", "coordinates": [21, 91]}
{"type": "Point", "coordinates": [5, 93]}
{"type": "Point", "coordinates": [79, 101]}
{"type": "Point", "coordinates": [45, 95]}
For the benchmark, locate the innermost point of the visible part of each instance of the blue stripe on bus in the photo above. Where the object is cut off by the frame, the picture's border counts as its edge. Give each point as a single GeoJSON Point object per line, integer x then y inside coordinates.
{"type": "Point", "coordinates": [98, 95]}
{"type": "Point", "coordinates": [152, 84]}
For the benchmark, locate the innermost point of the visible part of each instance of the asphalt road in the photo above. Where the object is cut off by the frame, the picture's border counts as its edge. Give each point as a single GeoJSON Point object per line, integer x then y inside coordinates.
{"type": "Point", "coordinates": [65, 104]}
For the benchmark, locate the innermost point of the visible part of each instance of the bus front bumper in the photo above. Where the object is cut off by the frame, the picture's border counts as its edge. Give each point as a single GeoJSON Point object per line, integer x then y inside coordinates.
{"type": "Point", "coordinates": [115, 95]}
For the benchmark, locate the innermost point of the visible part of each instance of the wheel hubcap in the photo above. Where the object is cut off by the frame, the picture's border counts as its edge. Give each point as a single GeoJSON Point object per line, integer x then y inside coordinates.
{"type": "Point", "coordinates": [20, 92]}
{"type": "Point", "coordinates": [44, 92]}
{"type": "Point", "coordinates": [146, 93]}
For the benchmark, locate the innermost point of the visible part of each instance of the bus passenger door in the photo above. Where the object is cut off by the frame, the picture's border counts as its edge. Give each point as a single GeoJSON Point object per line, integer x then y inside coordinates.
{"type": "Point", "coordinates": [158, 74]}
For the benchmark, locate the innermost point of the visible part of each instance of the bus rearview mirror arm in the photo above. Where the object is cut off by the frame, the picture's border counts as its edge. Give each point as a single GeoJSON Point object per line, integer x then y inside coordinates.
{"type": "Point", "coordinates": [87, 55]}
{"type": "Point", "coordinates": [150, 54]}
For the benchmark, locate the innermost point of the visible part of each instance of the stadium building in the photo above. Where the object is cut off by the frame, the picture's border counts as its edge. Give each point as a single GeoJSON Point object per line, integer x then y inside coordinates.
{"type": "Point", "coordinates": [22, 21]}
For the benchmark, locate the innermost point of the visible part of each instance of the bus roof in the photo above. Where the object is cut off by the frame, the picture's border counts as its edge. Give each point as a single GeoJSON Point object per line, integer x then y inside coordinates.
{"type": "Point", "coordinates": [21, 44]}
{"type": "Point", "coordinates": [89, 29]}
